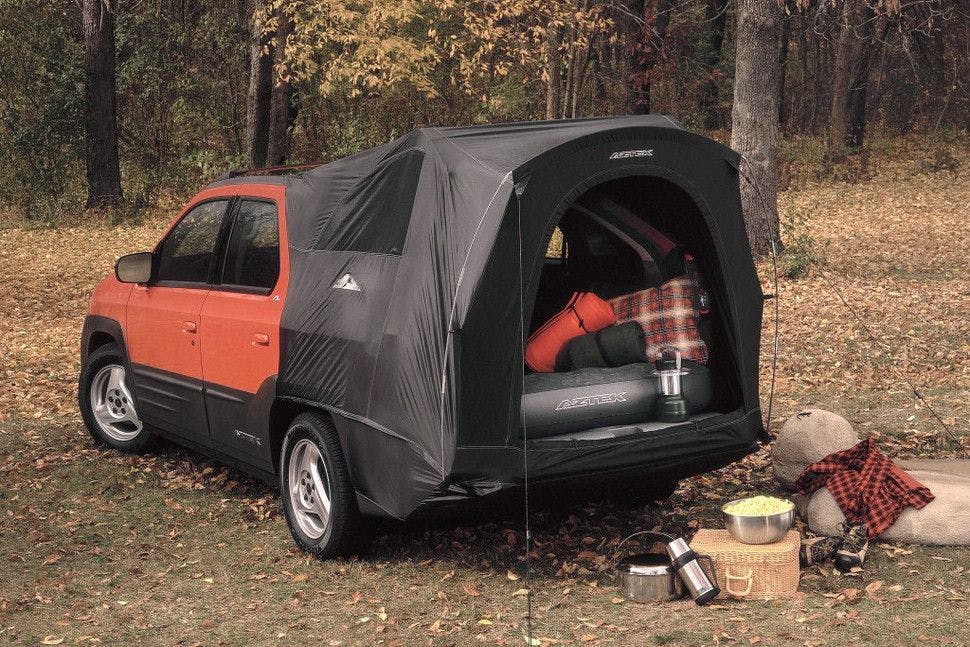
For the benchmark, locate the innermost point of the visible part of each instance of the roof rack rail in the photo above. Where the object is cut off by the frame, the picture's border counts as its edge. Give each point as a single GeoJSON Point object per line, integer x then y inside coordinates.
{"type": "Point", "coordinates": [267, 170]}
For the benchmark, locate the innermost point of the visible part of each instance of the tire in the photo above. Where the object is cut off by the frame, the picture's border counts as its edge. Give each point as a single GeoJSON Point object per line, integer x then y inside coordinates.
{"type": "Point", "coordinates": [107, 406]}
{"type": "Point", "coordinates": [311, 459]}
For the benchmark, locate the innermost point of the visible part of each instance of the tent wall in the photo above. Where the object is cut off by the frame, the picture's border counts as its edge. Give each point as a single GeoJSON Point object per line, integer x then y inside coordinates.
{"type": "Point", "coordinates": [374, 358]}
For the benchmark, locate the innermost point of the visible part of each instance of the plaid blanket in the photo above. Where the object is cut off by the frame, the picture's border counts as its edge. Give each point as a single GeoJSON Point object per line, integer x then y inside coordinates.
{"type": "Point", "coordinates": [868, 487]}
{"type": "Point", "coordinates": [668, 315]}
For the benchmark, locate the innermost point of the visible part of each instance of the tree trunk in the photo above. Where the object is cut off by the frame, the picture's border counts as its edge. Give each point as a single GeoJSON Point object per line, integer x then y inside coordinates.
{"type": "Point", "coordinates": [580, 72]}
{"type": "Point", "coordinates": [646, 52]}
{"type": "Point", "coordinates": [282, 104]}
{"type": "Point", "coordinates": [754, 131]}
{"type": "Point", "coordinates": [783, 68]}
{"type": "Point", "coordinates": [715, 14]}
{"type": "Point", "coordinates": [101, 106]}
{"type": "Point", "coordinates": [260, 89]}
{"type": "Point", "coordinates": [803, 104]}
{"type": "Point", "coordinates": [928, 55]}
{"type": "Point", "coordinates": [873, 32]}
{"type": "Point", "coordinates": [553, 73]}
{"type": "Point", "coordinates": [838, 131]}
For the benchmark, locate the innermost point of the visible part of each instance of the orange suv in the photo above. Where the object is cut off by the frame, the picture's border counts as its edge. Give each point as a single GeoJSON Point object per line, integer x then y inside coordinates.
{"type": "Point", "coordinates": [355, 332]}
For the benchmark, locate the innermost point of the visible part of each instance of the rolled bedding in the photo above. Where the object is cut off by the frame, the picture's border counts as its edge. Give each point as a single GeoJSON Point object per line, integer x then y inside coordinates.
{"type": "Point", "coordinates": [585, 313]}
{"type": "Point", "coordinates": [617, 345]}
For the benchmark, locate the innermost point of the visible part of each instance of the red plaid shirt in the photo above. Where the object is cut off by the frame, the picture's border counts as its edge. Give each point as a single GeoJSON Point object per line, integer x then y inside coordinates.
{"type": "Point", "coordinates": [668, 315]}
{"type": "Point", "coordinates": [868, 487]}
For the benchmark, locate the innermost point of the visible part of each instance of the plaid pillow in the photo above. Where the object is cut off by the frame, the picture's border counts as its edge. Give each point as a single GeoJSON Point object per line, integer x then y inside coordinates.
{"type": "Point", "coordinates": [669, 318]}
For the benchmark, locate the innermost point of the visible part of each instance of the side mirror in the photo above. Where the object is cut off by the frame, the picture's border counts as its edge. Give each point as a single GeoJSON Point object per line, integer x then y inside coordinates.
{"type": "Point", "coordinates": [135, 268]}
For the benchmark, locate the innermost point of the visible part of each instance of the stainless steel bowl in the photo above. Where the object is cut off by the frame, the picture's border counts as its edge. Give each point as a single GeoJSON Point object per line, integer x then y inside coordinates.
{"type": "Point", "coordinates": [761, 529]}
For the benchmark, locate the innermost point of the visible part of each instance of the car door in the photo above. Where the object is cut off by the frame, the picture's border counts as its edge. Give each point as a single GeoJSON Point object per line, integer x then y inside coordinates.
{"type": "Point", "coordinates": [240, 326]}
{"type": "Point", "coordinates": [163, 320]}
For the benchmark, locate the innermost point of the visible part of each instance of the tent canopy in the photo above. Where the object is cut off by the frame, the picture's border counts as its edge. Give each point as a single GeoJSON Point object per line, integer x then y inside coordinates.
{"type": "Point", "coordinates": [440, 229]}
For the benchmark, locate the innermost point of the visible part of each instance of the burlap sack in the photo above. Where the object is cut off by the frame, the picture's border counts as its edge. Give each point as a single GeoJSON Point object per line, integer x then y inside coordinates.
{"type": "Point", "coordinates": [807, 437]}
{"type": "Point", "coordinates": [945, 521]}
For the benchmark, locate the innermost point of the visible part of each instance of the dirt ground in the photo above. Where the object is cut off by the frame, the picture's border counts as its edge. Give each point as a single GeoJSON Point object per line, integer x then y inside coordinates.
{"type": "Point", "coordinates": [170, 548]}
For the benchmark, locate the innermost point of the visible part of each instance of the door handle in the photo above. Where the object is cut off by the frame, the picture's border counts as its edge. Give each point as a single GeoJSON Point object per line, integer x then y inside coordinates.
{"type": "Point", "coordinates": [260, 339]}
{"type": "Point", "coordinates": [189, 327]}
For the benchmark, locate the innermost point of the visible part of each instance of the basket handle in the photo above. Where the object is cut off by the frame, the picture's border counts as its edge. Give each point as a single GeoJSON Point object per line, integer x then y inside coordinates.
{"type": "Point", "coordinates": [738, 578]}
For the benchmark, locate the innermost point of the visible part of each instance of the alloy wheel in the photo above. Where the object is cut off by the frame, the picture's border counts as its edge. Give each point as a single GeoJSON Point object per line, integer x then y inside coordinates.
{"type": "Point", "coordinates": [309, 489]}
{"type": "Point", "coordinates": [112, 404]}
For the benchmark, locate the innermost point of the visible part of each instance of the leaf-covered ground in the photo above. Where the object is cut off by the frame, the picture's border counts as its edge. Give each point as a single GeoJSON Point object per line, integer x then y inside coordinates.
{"type": "Point", "coordinates": [171, 548]}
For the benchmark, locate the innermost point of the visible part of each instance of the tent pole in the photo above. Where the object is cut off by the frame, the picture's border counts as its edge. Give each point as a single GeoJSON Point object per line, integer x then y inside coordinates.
{"type": "Point", "coordinates": [519, 189]}
{"type": "Point", "coordinates": [777, 314]}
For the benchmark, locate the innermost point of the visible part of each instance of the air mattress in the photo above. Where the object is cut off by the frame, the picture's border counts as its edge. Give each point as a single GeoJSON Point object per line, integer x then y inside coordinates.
{"type": "Point", "coordinates": [562, 403]}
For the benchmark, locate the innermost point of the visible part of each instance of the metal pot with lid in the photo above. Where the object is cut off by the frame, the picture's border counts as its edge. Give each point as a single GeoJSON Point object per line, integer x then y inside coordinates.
{"type": "Point", "coordinates": [649, 577]}
{"type": "Point", "coordinates": [655, 577]}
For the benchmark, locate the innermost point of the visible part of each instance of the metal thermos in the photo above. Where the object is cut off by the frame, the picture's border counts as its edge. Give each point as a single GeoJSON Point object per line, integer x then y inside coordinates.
{"type": "Point", "coordinates": [685, 562]}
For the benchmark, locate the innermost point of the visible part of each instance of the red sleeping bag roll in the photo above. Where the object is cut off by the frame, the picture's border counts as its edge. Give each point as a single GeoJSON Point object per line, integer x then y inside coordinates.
{"type": "Point", "coordinates": [585, 313]}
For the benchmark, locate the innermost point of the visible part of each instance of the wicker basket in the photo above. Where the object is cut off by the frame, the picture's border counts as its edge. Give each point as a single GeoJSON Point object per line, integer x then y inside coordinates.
{"type": "Point", "coordinates": [748, 570]}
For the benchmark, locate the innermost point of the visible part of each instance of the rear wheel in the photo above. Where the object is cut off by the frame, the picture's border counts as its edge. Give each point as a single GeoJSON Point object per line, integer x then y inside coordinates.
{"type": "Point", "coordinates": [318, 498]}
{"type": "Point", "coordinates": [106, 403]}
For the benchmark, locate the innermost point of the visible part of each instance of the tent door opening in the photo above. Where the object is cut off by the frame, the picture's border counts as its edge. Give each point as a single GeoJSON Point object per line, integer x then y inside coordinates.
{"type": "Point", "coordinates": [640, 245]}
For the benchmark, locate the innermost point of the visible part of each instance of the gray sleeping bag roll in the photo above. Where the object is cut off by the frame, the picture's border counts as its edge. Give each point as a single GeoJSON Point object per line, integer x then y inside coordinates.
{"type": "Point", "coordinates": [589, 398]}
{"type": "Point", "coordinates": [617, 345]}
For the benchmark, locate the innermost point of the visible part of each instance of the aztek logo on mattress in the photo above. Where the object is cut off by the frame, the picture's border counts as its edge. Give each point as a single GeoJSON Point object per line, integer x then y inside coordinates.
{"type": "Point", "coordinates": [591, 400]}
{"type": "Point", "coordinates": [622, 155]}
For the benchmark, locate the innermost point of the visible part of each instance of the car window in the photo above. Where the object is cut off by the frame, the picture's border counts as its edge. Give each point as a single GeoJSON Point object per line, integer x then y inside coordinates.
{"type": "Point", "coordinates": [186, 253]}
{"type": "Point", "coordinates": [253, 252]}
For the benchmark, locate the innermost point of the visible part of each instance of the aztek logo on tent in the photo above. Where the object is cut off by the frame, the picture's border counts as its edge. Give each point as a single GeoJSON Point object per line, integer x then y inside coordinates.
{"type": "Point", "coordinates": [591, 400]}
{"type": "Point", "coordinates": [622, 155]}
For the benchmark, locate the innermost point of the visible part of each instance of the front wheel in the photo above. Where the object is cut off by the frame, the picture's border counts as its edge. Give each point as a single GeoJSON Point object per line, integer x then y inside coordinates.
{"type": "Point", "coordinates": [106, 402]}
{"type": "Point", "coordinates": [319, 503]}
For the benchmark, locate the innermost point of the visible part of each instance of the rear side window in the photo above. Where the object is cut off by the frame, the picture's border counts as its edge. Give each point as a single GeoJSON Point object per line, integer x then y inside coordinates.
{"type": "Point", "coordinates": [253, 250]}
{"type": "Point", "coordinates": [187, 253]}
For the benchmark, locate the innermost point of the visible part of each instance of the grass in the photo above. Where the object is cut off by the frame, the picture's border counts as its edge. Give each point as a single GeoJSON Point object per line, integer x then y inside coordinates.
{"type": "Point", "coordinates": [170, 548]}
